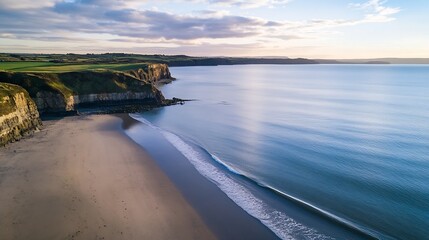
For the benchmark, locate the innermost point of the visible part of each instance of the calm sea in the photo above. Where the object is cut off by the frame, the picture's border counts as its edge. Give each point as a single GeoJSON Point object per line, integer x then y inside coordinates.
{"type": "Point", "coordinates": [350, 142]}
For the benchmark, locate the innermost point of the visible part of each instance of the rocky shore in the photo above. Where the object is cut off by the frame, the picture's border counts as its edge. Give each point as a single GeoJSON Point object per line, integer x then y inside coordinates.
{"type": "Point", "coordinates": [25, 95]}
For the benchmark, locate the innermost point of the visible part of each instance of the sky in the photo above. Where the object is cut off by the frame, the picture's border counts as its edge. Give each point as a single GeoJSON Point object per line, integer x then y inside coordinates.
{"type": "Point", "coordinates": [335, 29]}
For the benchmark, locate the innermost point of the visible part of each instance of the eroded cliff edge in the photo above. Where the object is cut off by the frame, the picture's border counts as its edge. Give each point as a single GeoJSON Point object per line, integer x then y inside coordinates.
{"type": "Point", "coordinates": [25, 95]}
{"type": "Point", "coordinates": [18, 113]}
{"type": "Point", "coordinates": [68, 91]}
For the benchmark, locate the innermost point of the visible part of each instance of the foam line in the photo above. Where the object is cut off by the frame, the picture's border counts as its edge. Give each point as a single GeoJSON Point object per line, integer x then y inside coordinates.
{"type": "Point", "coordinates": [278, 222]}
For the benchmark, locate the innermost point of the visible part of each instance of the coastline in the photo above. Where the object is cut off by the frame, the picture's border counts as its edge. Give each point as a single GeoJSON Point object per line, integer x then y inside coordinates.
{"type": "Point", "coordinates": [223, 216]}
{"type": "Point", "coordinates": [235, 221]}
{"type": "Point", "coordinates": [83, 178]}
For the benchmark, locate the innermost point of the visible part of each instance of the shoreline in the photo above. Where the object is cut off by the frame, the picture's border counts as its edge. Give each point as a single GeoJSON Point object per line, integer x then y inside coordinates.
{"type": "Point", "coordinates": [303, 220]}
{"type": "Point", "coordinates": [223, 216]}
{"type": "Point", "coordinates": [89, 177]}
{"type": "Point", "coordinates": [83, 178]}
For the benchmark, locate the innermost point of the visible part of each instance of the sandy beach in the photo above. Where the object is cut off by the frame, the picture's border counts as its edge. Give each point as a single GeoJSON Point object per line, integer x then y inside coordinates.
{"type": "Point", "coordinates": [81, 178]}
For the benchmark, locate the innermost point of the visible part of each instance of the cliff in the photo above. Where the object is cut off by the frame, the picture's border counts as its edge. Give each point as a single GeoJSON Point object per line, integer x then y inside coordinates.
{"type": "Point", "coordinates": [67, 91]}
{"type": "Point", "coordinates": [18, 113]}
{"type": "Point", "coordinates": [152, 73]}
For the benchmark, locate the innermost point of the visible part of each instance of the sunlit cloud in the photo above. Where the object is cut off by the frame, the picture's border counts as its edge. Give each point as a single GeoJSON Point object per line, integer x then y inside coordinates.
{"type": "Point", "coordinates": [250, 3]}
{"type": "Point", "coordinates": [26, 4]}
{"type": "Point", "coordinates": [378, 12]}
{"type": "Point", "coordinates": [107, 24]}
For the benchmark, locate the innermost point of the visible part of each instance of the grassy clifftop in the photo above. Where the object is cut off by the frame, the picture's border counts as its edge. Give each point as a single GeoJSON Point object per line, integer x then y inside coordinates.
{"type": "Point", "coordinates": [75, 83]}
{"type": "Point", "coordinates": [125, 59]}
{"type": "Point", "coordinates": [55, 88]}
{"type": "Point", "coordinates": [30, 88]}
{"type": "Point", "coordinates": [52, 67]}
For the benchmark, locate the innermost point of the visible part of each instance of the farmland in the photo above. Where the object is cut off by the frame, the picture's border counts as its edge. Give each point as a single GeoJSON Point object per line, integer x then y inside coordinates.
{"type": "Point", "coordinates": [49, 67]}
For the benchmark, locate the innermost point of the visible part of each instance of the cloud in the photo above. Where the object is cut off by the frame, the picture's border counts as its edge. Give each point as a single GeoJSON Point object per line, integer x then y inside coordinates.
{"type": "Point", "coordinates": [172, 26]}
{"type": "Point", "coordinates": [250, 3]}
{"type": "Point", "coordinates": [378, 11]}
{"type": "Point", "coordinates": [108, 22]}
{"type": "Point", "coordinates": [26, 4]}
{"type": "Point", "coordinates": [91, 16]}
{"type": "Point", "coordinates": [7, 35]}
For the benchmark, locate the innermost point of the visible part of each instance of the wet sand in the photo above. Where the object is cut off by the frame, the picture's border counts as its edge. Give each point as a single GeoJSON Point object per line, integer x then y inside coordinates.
{"type": "Point", "coordinates": [224, 217]}
{"type": "Point", "coordinates": [82, 178]}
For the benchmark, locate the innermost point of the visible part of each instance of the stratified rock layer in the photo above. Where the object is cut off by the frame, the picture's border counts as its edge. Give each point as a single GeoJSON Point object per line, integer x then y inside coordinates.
{"type": "Point", "coordinates": [18, 113]}
{"type": "Point", "coordinates": [152, 73]}
{"type": "Point", "coordinates": [67, 91]}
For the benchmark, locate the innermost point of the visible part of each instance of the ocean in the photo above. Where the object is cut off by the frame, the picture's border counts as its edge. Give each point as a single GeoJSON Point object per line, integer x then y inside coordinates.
{"type": "Point", "coordinates": [349, 143]}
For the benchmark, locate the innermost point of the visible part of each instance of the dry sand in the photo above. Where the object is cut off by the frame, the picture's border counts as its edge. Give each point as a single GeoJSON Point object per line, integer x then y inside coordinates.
{"type": "Point", "coordinates": [82, 178]}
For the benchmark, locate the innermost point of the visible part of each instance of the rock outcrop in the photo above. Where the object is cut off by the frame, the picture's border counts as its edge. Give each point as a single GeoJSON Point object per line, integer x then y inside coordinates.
{"type": "Point", "coordinates": [152, 73]}
{"type": "Point", "coordinates": [24, 95]}
{"type": "Point", "coordinates": [18, 113]}
{"type": "Point", "coordinates": [68, 91]}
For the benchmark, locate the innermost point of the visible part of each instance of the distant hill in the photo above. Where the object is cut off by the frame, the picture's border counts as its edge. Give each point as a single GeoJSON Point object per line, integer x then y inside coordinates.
{"type": "Point", "coordinates": [183, 60]}
{"type": "Point", "coordinates": [123, 58]}
{"type": "Point", "coordinates": [382, 61]}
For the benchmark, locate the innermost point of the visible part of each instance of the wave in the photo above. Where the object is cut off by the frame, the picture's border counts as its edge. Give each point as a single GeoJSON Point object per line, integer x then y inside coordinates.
{"type": "Point", "coordinates": [370, 234]}
{"type": "Point", "coordinates": [279, 222]}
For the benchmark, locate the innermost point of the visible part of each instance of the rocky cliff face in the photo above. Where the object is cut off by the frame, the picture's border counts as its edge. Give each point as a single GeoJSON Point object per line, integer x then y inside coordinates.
{"type": "Point", "coordinates": [154, 97]}
{"type": "Point", "coordinates": [152, 73]}
{"type": "Point", "coordinates": [48, 102]}
{"type": "Point", "coordinates": [18, 113]}
{"type": "Point", "coordinates": [63, 92]}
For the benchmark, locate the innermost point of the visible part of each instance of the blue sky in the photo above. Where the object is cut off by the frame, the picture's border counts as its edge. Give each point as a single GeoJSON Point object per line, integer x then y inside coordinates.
{"type": "Point", "coordinates": [291, 28]}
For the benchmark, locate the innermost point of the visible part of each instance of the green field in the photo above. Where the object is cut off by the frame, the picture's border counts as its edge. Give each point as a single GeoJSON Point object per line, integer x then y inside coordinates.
{"type": "Point", "coordinates": [48, 67]}
{"type": "Point", "coordinates": [123, 61]}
